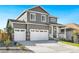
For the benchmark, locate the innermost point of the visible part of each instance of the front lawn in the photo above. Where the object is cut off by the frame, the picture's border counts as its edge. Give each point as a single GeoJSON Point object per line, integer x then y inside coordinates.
{"type": "Point", "coordinates": [70, 43]}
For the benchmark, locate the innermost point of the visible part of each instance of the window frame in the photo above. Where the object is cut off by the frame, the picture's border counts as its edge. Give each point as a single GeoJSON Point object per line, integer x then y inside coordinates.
{"type": "Point", "coordinates": [53, 20]}
{"type": "Point", "coordinates": [34, 17]}
{"type": "Point", "coordinates": [45, 18]}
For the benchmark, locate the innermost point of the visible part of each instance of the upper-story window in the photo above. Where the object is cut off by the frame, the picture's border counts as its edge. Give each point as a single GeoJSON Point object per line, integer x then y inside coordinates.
{"type": "Point", "coordinates": [53, 20]}
{"type": "Point", "coordinates": [43, 18]}
{"type": "Point", "coordinates": [32, 16]}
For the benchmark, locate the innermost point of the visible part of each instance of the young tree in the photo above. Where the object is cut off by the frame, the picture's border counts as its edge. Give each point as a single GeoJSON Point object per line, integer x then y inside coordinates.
{"type": "Point", "coordinates": [10, 31]}
{"type": "Point", "coordinates": [75, 36]}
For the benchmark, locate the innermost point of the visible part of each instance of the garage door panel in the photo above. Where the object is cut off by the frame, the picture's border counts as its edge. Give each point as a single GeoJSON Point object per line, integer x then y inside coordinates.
{"type": "Point", "coordinates": [19, 35]}
{"type": "Point", "coordinates": [39, 35]}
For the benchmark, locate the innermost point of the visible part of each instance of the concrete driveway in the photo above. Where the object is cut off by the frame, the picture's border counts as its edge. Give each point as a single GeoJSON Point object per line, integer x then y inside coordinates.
{"type": "Point", "coordinates": [49, 46]}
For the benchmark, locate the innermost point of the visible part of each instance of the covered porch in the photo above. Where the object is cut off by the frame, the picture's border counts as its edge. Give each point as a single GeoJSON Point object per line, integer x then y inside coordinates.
{"type": "Point", "coordinates": [66, 33]}
{"type": "Point", "coordinates": [55, 30]}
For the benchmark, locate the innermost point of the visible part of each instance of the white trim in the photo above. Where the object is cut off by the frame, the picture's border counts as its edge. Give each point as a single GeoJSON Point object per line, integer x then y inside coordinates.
{"type": "Point", "coordinates": [39, 29]}
{"type": "Point", "coordinates": [65, 33]}
{"type": "Point", "coordinates": [57, 32]}
{"type": "Point", "coordinates": [55, 25]}
{"type": "Point", "coordinates": [45, 18]}
{"type": "Point", "coordinates": [38, 24]}
{"type": "Point", "coordinates": [18, 23]}
{"type": "Point", "coordinates": [38, 12]}
{"type": "Point", "coordinates": [52, 31]}
{"type": "Point", "coordinates": [30, 23]}
{"type": "Point", "coordinates": [34, 17]}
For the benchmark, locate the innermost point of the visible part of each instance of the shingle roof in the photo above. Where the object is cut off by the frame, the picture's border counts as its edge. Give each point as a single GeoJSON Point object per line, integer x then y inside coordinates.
{"type": "Point", "coordinates": [31, 9]}
{"type": "Point", "coordinates": [38, 7]}
{"type": "Point", "coordinates": [73, 25]}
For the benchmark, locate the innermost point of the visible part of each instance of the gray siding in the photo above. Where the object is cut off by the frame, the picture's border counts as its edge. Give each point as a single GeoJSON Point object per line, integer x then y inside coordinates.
{"type": "Point", "coordinates": [69, 35]}
{"type": "Point", "coordinates": [21, 26]}
{"type": "Point", "coordinates": [38, 18]}
{"type": "Point", "coordinates": [32, 26]}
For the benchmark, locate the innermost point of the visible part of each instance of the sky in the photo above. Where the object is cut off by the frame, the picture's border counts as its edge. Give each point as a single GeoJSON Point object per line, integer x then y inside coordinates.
{"type": "Point", "coordinates": [65, 13]}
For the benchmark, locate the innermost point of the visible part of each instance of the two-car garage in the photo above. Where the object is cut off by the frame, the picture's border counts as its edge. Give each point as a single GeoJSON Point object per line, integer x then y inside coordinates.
{"type": "Point", "coordinates": [35, 34]}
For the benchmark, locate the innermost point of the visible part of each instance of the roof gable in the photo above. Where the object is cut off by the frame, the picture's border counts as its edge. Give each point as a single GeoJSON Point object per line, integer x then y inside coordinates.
{"type": "Point", "coordinates": [39, 9]}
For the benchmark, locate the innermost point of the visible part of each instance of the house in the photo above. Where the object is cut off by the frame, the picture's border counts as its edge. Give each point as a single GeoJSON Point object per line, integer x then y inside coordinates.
{"type": "Point", "coordinates": [69, 31]}
{"type": "Point", "coordinates": [34, 24]}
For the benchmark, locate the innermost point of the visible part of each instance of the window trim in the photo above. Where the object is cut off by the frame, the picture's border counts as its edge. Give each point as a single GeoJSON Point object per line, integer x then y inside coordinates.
{"type": "Point", "coordinates": [41, 18]}
{"type": "Point", "coordinates": [34, 17]}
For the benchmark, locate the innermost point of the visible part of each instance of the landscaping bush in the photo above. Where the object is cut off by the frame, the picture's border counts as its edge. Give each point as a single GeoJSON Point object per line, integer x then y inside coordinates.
{"type": "Point", "coordinates": [2, 43]}
{"type": "Point", "coordinates": [75, 37]}
{"type": "Point", "coordinates": [18, 45]}
{"type": "Point", "coordinates": [7, 42]}
{"type": "Point", "coordinates": [63, 39]}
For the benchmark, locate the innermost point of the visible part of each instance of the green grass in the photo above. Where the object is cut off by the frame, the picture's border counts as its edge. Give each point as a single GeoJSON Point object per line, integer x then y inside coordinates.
{"type": "Point", "coordinates": [70, 43]}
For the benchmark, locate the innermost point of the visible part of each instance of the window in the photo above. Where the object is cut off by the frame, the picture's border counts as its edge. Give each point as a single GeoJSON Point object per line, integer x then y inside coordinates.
{"type": "Point", "coordinates": [32, 16]}
{"type": "Point", "coordinates": [22, 30]}
{"type": "Point", "coordinates": [45, 31]}
{"type": "Point", "coordinates": [53, 20]}
{"type": "Point", "coordinates": [17, 30]}
{"type": "Point", "coordinates": [43, 18]}
{"type": "Point", "coordinates": [41, 31]}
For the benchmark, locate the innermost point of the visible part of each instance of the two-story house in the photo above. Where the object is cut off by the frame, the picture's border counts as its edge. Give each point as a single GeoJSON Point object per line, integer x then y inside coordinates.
{"type": "Point", "coordinates": [34, 24]}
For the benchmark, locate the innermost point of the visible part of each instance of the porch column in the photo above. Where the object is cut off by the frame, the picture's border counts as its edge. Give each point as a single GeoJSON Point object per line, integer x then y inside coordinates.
{"type": "Point", "coordinates": [52, 31]}
{"type": "Point", "coordinates": [57, 32]}
{"type": "Point", "coordinates": [65, 33]}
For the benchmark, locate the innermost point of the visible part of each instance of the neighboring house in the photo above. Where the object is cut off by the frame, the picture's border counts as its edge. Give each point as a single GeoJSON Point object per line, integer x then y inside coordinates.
{"type": "Point", "coordinates": [34, 24]}
{"type": "Point", "coordinates": [69, 31]}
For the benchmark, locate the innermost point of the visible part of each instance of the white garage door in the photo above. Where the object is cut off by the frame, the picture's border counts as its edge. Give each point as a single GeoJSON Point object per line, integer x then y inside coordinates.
{"type": "Point", "coordinates": [38, 34]}
{"type": "Point", "coordinates": [19, 34]}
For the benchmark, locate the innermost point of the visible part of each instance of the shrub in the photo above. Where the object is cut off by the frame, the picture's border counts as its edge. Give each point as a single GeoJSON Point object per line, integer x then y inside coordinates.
{"type": "Point", "coordinates": [62, 39]}
{"type": "Point", "coordinates": [2, 43]}
{"type": "Point", "coordinates": [7, 42]}
{"type": "Point", "coordinates": [17, 44]}
{"type": "Point", "coordinates": [75, 37]}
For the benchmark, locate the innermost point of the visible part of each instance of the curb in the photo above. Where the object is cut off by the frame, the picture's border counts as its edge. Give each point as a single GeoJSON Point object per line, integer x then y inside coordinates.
{"type": "Point", "coordinates": [10, 48]}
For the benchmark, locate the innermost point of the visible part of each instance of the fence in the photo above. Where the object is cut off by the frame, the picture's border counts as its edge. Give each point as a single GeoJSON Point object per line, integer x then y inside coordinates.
{"type": "Point", "coordinates": [4, 36]}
